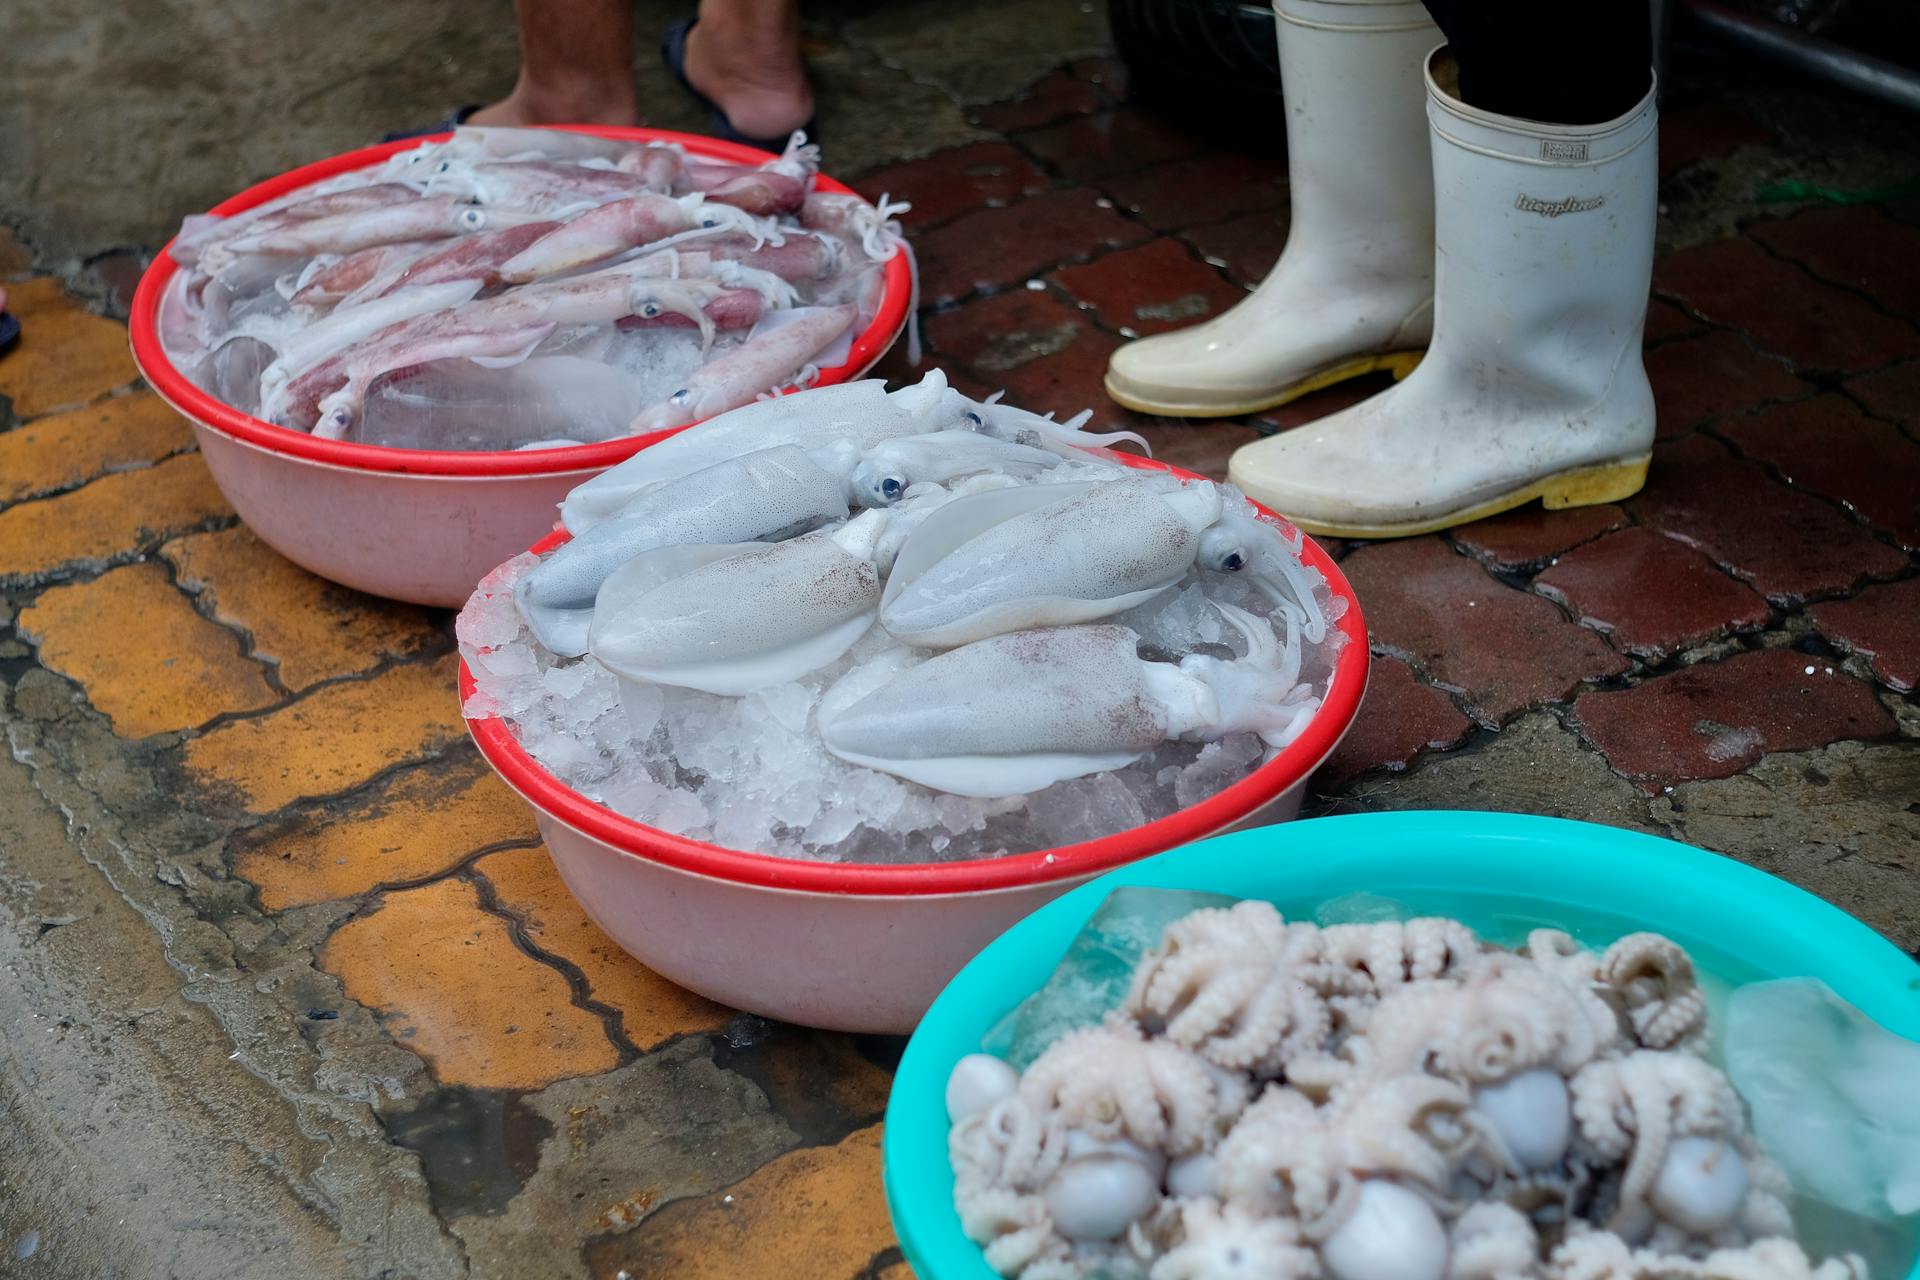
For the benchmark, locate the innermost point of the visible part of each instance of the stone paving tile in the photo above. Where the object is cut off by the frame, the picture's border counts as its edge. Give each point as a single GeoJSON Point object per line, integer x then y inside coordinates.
{"type": "Point", "coordinates": [1666, 321]}
{"type": "Point", "coordinates": [1828, 446]}
{"type": "Point", "coordinates": [813, 1214]}
{"type": "Point", "coordinates": [414, 825]}
{"type": "Point", "coordinates": [311, 629]}
{"type": "Point", "coordinates": [1786, 544]}
{"type": "Point", "coordinates": [941, 186]}
{"type": "Point", "coordinates": [67, 449]}
{"type": "Point", "coordinates": [1714, 719]}
{"type": "Point", "coordinates": [995, 248]}
{"type": "Point", "coordinates": [1695, 131]}
{"type": "Point", "coordinates": [1534, 765]}
{"type": "Point", "coordinates": [15, 261]}
{"type": "Point", "coordinates": [1151, 289]}
{"type": "Point", "coordinates": [1246, 247]}
{"type": "Point", "coordinates": [1108, 143]}
{"type": "Point", "coordinates": [1056, 97]}
{"type": "Point", "coordinates": [181, 671]}
{"type": "Point", "coordinates": [1400, 720]}
{"type": "Point", "coordinates": [1852, 246]}
{"type": "Point", "coordinates": [1503, 649]}
{"type": "Point", "coordinates": [1209, 188]}
{"type": "Point", "coordinates": [66, 356]}
{"type": "Point", "coordinates": [1892, 393]}
{"type": "Point", "coordinates": [1823, 820]}
{"type": "Point", "coordinates": [652, 1009]}
{"type": "Point", "coordinates": [1696, 379]}
{"type": "Point", "coordinates": [449, 984]}
{"type": "Point", "coordinates": [1530, 536]}
{"type": "Point", "coordinates": [335, 738]}
{"type": "Point", "coordinates": [1882, 625]}
{"type": "Point", "coordinates": [111, 518]}
{"type": "Point", "coordinates": [1651, 595]}
{"type": "Point", "coordinates": [1817, 326]}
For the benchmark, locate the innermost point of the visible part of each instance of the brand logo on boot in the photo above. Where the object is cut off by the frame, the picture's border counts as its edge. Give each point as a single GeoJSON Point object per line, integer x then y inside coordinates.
{"type": "Point", "coordinates": [1554, 208]}
{"type": "Point", "coordinates": [1552, 150]}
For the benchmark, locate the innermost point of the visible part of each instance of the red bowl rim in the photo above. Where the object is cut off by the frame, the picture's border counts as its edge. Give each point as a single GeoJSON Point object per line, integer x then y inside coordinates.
{"type": "Point", "coordinates": [1293, 765]}
{"type": "Point", "coordinates": [868, 345]}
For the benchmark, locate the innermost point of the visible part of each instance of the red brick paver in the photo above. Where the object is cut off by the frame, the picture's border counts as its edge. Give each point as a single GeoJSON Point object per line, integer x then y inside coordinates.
{"type": "Point", "coordinates": [1504, 649]}
{"type": "Point", "coordinates": [1827, 446]}
{"type": "Point", "coordinates": [1787, 544]}
{"type": "Point", "coordinates": [1814, 324]}
{"type": "Point", "coordinates": [1400, 720]}
{"type": "Point", "coordinates": [948, 183]}
{"type": "Point", "coordinates": [1152, 289]}
{"type": "Point", "coordinates": [1697, 379]}
{"type": "Point", "coordinates": [1882, 624]}
{"type": "Point", "coordinates": [1853, 247]}
{"type": "Point", "coordinates": [1715, 719]}
{"type": "Point", "coordinates": [995, 248]}
{"type": "Point", "coordinates": [1650, 594]}
{"type": "Point", "coordinates": [1528, 537]}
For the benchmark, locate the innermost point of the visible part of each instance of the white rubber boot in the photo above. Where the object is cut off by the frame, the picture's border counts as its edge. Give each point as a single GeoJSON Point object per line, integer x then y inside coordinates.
{"type": "Point", "coordinates": [1353, 291]}
{"type": "Point", "coordinates": [1533, 386]}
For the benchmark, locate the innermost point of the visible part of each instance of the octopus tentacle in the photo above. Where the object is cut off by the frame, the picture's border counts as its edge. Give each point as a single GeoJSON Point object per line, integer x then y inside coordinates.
{"type": "Point", "coordinates": [1653, 978]}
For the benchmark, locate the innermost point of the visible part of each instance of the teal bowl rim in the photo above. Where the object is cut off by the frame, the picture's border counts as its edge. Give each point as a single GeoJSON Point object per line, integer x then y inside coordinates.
{"type": "Point", "coordinates": [1662, 884]}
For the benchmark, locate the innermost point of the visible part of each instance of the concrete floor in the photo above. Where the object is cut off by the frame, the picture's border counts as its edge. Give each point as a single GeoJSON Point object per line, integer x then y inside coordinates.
{"type": "Point", "coordinates": [292, 987]}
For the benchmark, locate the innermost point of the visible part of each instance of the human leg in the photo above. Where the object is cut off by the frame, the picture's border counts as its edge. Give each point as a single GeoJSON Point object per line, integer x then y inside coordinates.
{"type": "Point", "coordinates": [1566, 62]}
{"type": "Point", "coordinates": [576, 65]}
{"type": "Point", "coordinates": [744, 55]}
{"type": "Point", "coordinates": [1533, 386]}
{"type": "Point", "coordinates": [1352, 291]}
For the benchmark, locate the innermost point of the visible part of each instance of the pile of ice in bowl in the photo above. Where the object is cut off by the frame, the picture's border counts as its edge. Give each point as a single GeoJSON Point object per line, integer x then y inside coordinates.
{"type": "Point", "coordinates": [849, 624]}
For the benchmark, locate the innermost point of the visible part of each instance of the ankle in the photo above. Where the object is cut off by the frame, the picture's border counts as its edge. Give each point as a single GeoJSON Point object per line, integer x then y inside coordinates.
{"type": "Point", "coordinates": [566, 101]}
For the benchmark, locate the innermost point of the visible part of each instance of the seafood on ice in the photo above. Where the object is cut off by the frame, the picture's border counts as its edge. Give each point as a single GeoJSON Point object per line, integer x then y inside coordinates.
{"type": "Point", "coordinates": [900, 626]}
{"type": "Point", "coordinates": [1392, 1100]}
{"type": "Point", "coordinates": [514, 288]}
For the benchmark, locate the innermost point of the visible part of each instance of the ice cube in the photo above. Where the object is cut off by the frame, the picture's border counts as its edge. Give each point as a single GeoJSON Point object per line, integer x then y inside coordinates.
{"type": "Point", "coordinates": [1360, 907]}
{"type": "Point", "coordinates": [1832, 1095]}
{"type": "Point", "coordinates": [1093, 976]}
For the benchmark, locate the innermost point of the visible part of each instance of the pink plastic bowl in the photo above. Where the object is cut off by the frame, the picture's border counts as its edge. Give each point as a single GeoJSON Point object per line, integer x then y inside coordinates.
{"type": "Point", "coordinates": [863, 948]}
{"type": "Point", "coordinates": [414, 524]}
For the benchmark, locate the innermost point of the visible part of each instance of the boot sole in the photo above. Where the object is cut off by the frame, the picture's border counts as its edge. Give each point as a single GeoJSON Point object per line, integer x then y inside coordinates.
{"type": "Point", "coordinates": [1398, 363]}
{"type": "Point", "coordinates": [1580, 487]}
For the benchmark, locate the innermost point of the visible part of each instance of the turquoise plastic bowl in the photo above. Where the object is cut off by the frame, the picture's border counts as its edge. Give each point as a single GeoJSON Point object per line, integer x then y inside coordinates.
{"type": "Point", "coordinates": [1500, 873]}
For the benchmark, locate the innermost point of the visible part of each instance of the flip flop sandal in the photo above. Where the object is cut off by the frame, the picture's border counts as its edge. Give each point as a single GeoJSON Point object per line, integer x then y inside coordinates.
{"type": "Point", "coordinates": [448, 125]}
{"type": "Point", "coordinates": [673, 52]}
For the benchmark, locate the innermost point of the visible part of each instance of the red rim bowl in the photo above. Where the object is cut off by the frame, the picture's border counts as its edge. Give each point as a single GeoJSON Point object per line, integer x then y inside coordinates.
{"type": "Point", "coordinates": [175, 388]}
{"type": "Point", "coordinates": [1292, 766]}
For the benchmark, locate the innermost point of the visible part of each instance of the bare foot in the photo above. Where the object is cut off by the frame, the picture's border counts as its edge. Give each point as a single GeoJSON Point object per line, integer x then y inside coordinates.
{"type": "Point", "coordinates": [579, 102]}
{"type": "Point", "coordinates": [754, 75]}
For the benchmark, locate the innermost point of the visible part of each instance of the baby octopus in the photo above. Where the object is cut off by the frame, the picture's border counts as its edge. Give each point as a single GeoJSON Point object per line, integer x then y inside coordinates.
{"type": "Point", "coordinates": [1431, 1108]}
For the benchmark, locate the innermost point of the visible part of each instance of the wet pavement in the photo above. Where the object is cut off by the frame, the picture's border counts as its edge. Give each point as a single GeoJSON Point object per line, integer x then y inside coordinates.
{"type": "Point", "coordinates": [290, 980]}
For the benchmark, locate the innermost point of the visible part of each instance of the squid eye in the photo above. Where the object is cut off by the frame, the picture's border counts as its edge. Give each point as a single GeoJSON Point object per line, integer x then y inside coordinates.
{"type": "Point", "coordinates": [709, 224]}
{"type": "Point", "coordinates": [682, 396]}
{"type": "Point", "coordinates": [891, 487]}
{"type": "Point", "coordinates": [473, 218]}
{"type": "Point", "coordinates": [649, 310]}
{"type": "Point", "coordinates": [976, 419]}
{"type": "Point", "coordinates": [1222, 550]}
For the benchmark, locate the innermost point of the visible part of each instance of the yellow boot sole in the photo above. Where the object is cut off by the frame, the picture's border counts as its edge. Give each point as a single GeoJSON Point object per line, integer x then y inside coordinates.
{"type": "Point", "coordinates": [1397, 363]}
{"type": "Point", "coordinates": [1580, 487]}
